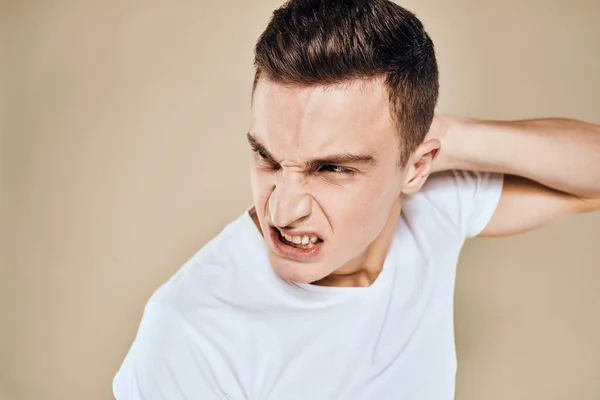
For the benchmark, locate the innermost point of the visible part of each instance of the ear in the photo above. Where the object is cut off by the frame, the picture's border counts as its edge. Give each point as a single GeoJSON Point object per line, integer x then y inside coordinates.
{"type": "Point", "coordinates": [419, 166]}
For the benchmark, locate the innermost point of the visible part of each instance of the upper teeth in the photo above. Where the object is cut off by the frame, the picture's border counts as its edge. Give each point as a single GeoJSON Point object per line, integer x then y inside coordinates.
{"type": "Point", "coordinates": [301, 239]}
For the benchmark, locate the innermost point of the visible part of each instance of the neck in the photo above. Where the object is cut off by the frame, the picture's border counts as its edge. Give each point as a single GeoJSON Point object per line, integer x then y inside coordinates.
{"type": "Point", "coordinates": [364, 269]}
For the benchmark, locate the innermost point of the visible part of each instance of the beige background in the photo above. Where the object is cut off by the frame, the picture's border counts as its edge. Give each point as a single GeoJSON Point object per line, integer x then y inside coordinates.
{"type": "Point", "coordinates": [123, 152]}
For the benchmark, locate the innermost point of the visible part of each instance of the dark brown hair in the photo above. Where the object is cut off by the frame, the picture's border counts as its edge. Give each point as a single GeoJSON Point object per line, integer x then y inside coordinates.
{"type": "Point", "coordinates": [327, 42]}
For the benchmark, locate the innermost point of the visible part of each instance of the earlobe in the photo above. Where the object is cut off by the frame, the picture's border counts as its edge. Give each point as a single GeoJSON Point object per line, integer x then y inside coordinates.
{"type": "Point", "coordinates": [418, 173]}
{"type": "Point", "coordinates": [421, 165]}
{"type": "Point", "coordinates": [415, 184]}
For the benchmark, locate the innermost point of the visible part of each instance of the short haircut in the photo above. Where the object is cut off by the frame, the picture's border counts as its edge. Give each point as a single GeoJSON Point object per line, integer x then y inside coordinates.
{"type": "Point", "coordinates": [329, 42]}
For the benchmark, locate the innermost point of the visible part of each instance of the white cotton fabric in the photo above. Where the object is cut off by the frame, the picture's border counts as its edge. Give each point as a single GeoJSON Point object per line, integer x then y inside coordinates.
{"type": "Point", "coordinates": [225, 326]}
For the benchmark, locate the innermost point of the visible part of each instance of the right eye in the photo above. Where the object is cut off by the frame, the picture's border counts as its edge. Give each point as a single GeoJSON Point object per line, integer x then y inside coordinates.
{"type": "Point", "coordinates": [265, 160]}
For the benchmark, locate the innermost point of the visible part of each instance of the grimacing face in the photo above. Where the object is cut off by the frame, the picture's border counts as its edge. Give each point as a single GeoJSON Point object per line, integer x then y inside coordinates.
{"type": "Point", "coordinates": [325, 175]}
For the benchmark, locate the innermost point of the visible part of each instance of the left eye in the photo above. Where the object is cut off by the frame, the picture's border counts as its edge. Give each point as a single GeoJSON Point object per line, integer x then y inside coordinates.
{"type": "Point", "coordinates": [336, 169]}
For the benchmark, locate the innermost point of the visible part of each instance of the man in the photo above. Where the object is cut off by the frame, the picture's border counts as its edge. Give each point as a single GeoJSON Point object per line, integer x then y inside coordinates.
{"type": "Point", "coordinates": [338, 283]}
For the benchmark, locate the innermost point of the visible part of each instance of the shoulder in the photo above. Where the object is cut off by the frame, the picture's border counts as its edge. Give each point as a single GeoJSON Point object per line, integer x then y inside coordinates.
{"type": "Point", "coordinates": [212, 266]}
{"type": "Point", "coordinates": [167, 353]}
{"type": "Point", "coordinates": [456, 182]}
{"type": "Point", "coordinates": [456, 200]}
{"type": "Point", "coordinates": [167, 358]}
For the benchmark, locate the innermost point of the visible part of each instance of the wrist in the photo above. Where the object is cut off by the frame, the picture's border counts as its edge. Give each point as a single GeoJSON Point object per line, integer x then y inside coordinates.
{"type": "Point", "coordinates": [453, 138]}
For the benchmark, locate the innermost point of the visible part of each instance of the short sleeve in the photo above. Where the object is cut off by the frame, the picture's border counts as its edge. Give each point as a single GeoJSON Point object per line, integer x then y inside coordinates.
{"type": "Point", "coordinates": [465, 199]}
{"type": "Point", "coordinates": [162, 364]}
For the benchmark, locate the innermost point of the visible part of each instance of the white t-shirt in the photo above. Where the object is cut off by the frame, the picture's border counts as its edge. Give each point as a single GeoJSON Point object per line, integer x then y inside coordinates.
{"type": "Point", "coordinates": [225, 326]}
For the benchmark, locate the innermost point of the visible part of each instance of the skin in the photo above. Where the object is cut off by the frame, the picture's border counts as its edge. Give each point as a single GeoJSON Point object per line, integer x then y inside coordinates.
{"type": "Point", "coordinates": [551, 166]}
{"type": "Point", "coordinates": [551, 169]}
{"type": "Point", "coordinates": [353, 205]}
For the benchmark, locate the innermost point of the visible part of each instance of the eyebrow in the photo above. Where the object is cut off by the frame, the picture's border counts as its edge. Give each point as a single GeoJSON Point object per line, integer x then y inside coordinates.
{"type": "Point", "coordinates": [334, 159]}
{"type": "Point", "coordinates": [257, 146]}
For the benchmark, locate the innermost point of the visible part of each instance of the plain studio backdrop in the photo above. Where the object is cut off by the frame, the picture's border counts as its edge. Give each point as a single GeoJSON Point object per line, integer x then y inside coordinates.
{"type": "Point", "coordinates": [123, 152]}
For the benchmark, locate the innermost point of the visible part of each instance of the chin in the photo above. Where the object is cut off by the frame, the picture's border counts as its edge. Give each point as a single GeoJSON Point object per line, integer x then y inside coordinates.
{"type": "Point", "coordinates": [297, 272]}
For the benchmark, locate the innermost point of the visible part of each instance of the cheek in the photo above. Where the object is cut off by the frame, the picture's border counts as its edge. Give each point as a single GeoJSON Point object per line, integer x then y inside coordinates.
{"type": "Point", "coordinates": [261, 187]}
{"type": "Point", "coordinates": [359, 214]}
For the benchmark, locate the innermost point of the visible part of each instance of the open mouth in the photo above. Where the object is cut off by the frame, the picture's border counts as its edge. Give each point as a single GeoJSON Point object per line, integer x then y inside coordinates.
{"type": "Point", "coordinates": [305, 242]}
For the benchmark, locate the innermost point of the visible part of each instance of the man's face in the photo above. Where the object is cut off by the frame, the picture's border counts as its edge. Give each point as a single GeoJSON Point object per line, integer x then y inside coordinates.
{"type": "Point", "coordinates": [324, 174]}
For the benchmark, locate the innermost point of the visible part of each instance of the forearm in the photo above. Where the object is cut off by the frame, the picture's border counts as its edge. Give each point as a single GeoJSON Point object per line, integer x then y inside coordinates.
{"type": "Point", "coordinates": [559, 153]}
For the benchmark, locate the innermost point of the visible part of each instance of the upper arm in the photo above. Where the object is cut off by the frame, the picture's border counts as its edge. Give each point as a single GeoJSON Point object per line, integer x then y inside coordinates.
{"type": "Point", "coordinates": [525, 205]}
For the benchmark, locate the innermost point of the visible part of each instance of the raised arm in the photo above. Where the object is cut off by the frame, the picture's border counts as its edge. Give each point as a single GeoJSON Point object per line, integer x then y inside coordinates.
{"type": "Point", "coordinates": [551, 166]}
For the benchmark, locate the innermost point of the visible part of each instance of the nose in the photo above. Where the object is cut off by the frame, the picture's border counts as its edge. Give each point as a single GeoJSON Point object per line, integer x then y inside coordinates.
{"type": "Point", "coordinates": [289, 201]}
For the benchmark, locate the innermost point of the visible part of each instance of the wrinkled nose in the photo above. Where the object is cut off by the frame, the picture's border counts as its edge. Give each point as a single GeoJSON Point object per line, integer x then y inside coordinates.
{"type": "Point", "coordinates": [289, 202]}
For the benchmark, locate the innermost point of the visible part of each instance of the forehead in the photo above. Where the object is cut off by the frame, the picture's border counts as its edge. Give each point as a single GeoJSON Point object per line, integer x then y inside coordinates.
{"type": "Point", "coordinates": [307, 121]}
